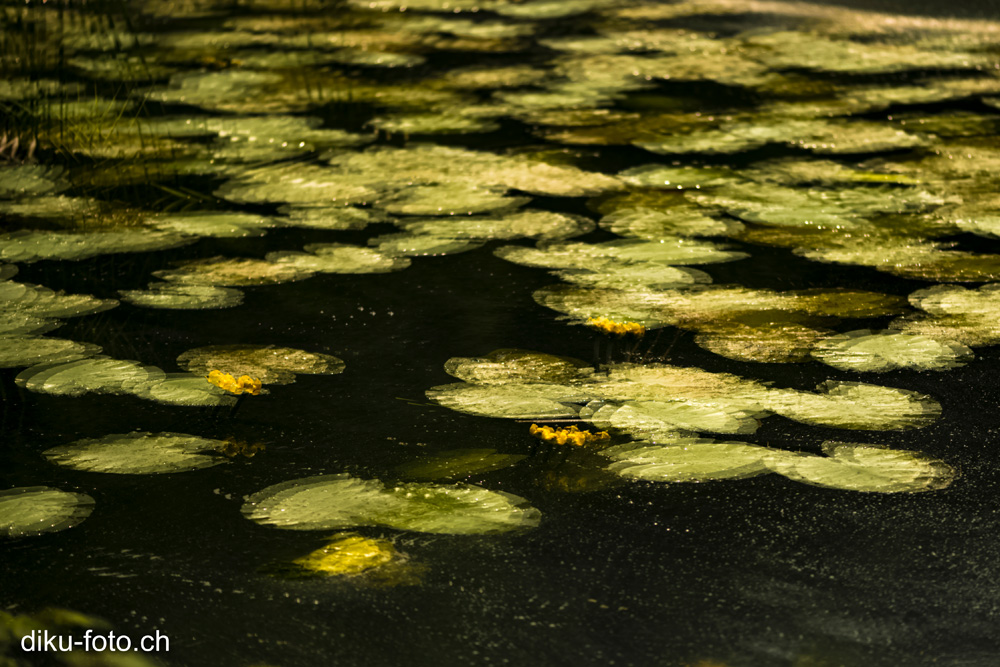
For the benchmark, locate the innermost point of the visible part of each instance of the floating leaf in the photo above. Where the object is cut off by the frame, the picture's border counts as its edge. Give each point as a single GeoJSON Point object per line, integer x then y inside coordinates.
{"type": "Point", "coordinates": [654, 420]}
{"type": "Point", "coordinates": [339, 501]}
{"type": "Point", "coordinates": [214, 224]}
{"type": "Point", "coordinates": [683, 459]}
{"type": "Point", "coordinates": [138, 453]}
{"type": "Point", "coordinates": [450, 199]}
{"type": "Point", "coordinates": [510, 401]}
{"type": "Point", "coordinates": [854, 405]}
{"type": "Point", "coordinates": [32, 510]}
{"type": "Point", "coordinates": [871, 351]}
{"type": "Point", "coordinates": [271, 365]}
{"type": "Point", "coordinates": [859, 467]}
{"type": "Point", "coordinates": [23, 351]}
{"type": "Point", "coordinates": [515, 366]}
{"type": "Point", "coordinates": [185, 389]}
{"type": "Point", "coordinates": [237, 272]}
{"type": "Point", "coordinates": [101, 375]}
{"type": "Point", "coordinates": [529, 223]}
{"type": "Point", "coordinates": [351, 555]}
{"type": "Point", "coordinates": [180, 296]}
{"type": "Point", "coordinates": [32, 245]}
{"type": "Point", "coordinates": [338, 258]}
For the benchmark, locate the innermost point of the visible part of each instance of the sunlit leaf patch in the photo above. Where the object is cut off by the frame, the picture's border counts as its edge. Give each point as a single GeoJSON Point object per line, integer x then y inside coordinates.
{"type": "Point", "coordinates": [449, 199]}
{"type": "Point", "coordinates": [512, 365]}
{"type": "Point", "coordinates": [338, 258]}
{"type": "Point", "coordinates": [214, 224]}
{"type": "Point", "coordinates": [420, 245]}
{"type": "Point", "coordinates": [138, 453]}
{"type": "Point", "coordinates": [423, 164]}
{"type": "Point", "coordinates": [529, 223]}
{"type": "Point", "coordinates": [871, 351]}
{"type": "Point", "coordinates": [859, 467]}
{"type": "Point", "coordinates": [234, 272]}
{"type": "Point", "coordinates": [29, 179]}
{"type": "Point", "coordinates": [856, 406]}
{"type": "Point", "coordinates": [16, 351]}
{"type": "Point", "coordinates": [180, 296]}
{"type": "Point", "coordinates": [340, 501]}
{"type": "Point", "coordinates": [42, 302]}
{"type": "Point", "coordinates": [510, 401]}
{"type": "Point", "coordinates": [683, 459]}
{"type": "Point", "coordinates": [33, 245]}
{"type": "Point", "coordinates": [100, 375]}
{"type": "Point", "coordinates": [185, 389]}
{"type": "Point", "coordinates": [434, 123]}
{"type": "Point", "coordinates": [655, 420]}
{"type": "Point", "coordinates": [352, 555]}
{"type": "Point", "coordinates": [571, 255]}
{"type": "Point", "coordinates": [271, 365]}
{"type": "Point", "coordinates": [657, 225]}
{"type": "Point", "coordinates": [775, 341]}
{"type": "Point", "coordinates": [32, 510]}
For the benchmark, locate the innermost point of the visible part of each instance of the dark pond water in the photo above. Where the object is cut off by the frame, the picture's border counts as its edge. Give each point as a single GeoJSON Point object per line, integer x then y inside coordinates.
{"type": "Point", "coordinates": [837, 167]}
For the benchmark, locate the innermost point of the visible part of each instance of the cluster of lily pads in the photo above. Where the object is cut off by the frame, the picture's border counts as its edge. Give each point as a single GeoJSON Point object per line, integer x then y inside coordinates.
{"type": "Point", "coordinates": [815, 139]}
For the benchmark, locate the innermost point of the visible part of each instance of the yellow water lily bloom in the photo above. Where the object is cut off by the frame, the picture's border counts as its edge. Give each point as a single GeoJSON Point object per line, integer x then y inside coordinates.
{"type": "Point", "coordinates": [609, 326]}
{"type": "Point", "coordinates": [571, 435]}
{"type": "Point", "coordinates": [240, 385]}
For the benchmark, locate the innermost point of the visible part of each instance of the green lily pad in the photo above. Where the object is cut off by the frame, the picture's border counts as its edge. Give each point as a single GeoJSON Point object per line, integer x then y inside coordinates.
{"type": "Point", "coordinates": [691, 460]}
{"type": "Point", "coordinates": [871, 351]}
{"type": "Point", "coordinates": [860, 467]}
{"type": "Point", "coordinates": [33, 510]}
{"type": "Point", "coordinates": [138, 453]}
{"type": "Point", "coordinates": [270, 365]}
{"type": "Point", "coordinates": [339, 501]}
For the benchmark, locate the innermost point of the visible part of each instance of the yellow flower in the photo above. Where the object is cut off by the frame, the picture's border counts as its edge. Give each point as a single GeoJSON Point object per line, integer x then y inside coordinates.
{"type": "Point", "coordinates": [243, 384]}
{"type": "Point", "coordinates": [607, 326]}
{"type": "Point", "coordinates": [571, 435]}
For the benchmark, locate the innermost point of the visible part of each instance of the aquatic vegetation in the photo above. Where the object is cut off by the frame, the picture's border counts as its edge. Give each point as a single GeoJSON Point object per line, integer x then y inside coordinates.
{"type": "Point", "coordinates": [33, 510]}
{"type": "Point", "coordinates": [266, 364]}
{"type": "Point", "coordinates": [173, 296]}
{"type": "Point", "coordinates": [457, 464]}
{"type": "Point", "coordinates": [138, 453]}
{"type": "Point", "coordinates": [860, 467]}
{"type": "Point", "coordinates": [612, 328]}
{"type": "Point", "coordinates": [338, 258]}
{"type": "Point", "coordinates": [219, 271]}
{"type": "Point", "coordinates": [28, 351]}
{"type": "Point", "coordinates": [571, 435]}
{"type": "Point", "coordinates": [31, 245]}
{"type": "Point", "coordinates": [512, 365]}
{"type": "Point", "coordinates": [351, 555]}
{"type": "Point", "coordinates": [684, 459]}
{"type": "Point", "coordinates": [244, 384]}
{"type": "Point", "coordinates": [340, 501]}
{"type": "Point", "coordinates": [871, 351]}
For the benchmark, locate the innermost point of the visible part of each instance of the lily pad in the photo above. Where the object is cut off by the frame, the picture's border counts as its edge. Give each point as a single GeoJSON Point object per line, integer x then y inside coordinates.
{"type": "Point", "coordinates": [339, 501]}
{"type": "Point", "coordinates": [859, 467]}
{"type": "Point", "coordinates": [33, 510]}
{"type": "Point", "coordinates": [691, 460]}
{"type": "Point", "coordinates": [180, 296]}
{"type": "Point", "coordinates": [270, 365]}
{"type": "Point", "coordinates": [138, 453]}
{"type": "Point", "coordinates": [516, 366]}
{"type": "Point", "coordinates": [872, 351]}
